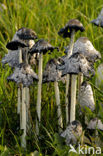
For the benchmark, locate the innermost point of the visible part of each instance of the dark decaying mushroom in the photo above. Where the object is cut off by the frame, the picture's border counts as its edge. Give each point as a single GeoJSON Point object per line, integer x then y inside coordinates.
{"type": "Point", "coordinates": [14, 45]}
{"type": "Point", "coordinates": [75, 64]}
{"type": "Point", "coordinates": [52, 74]}
{"type": "Point", "coordinates": [72, 24]}
{"type": "Point", "coordinates": [69, 30]}
{"type": "Point", "coordinates": [99, 20]}
{"type": "Point", "coordinates": [86, 98]}
{"type": "Point", "coordinates": [41, 47]}
{"type": "Point", "coordinates": [85, 47]}
{"type": "Point", "coordinates": [26, 34]}
{"type": "Point", "coordinates": [23, 74]}
{"type": "Point", "coordinates": [72, 133]}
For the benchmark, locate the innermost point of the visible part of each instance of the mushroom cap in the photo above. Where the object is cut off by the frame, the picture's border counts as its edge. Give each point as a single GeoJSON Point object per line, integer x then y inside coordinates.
{"type": "Point", "coordinates": [26, 34]}
{"type": "Point", "coordinates": [22, 38]}
{"type": "Point", "coordinates": [14, 45]}
{"type": "Point", "coordinates": [99, 76]}
{"type": "Point", "coordinates": [12, 58]}
{"type": "Point", "coordinates": [51, 73]}
{"type": "Point", "coordinates": [42, 46]}
{"type": "Point", "coordinates": [72, 24]}
{"type": "Point", "coordinates": [23, 74]}
{"type": "Point", "coordinates": [75, 64]}
{"type": "Point", "coordinates": [72, 132]}
{"type": "Point", "coordinates": [85, 47]}
{"type": "Point", "coordinates": [99, 20]}
{"type": "Point", "coordinates": [95, 124]}
{"type": "Point", "coordinates": [85, 97]}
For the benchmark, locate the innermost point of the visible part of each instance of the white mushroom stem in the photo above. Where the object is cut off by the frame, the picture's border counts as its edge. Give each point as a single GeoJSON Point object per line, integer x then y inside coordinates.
{"type": "Point", "coordinates": [38, 107]}
{"type": "Point", "coordinates": [23, 118]}
{"type": "Point", "coordinates": [68, 76]}
{"type": "Point", "coordinates": [27, 94]}
{"type": "Point", "coordinates": [73, 97]}
{"type": "Point", "coordinates": [19, 90]}
{"type": "Point", "coordinates": [27, 105]}
{"type": "Point", "coordinates": [59, 112]}
{"type": "Point", "coordinates": [66, 98]}
{"type": "Point", "coordinates": [80, 80]}
{"type": "Point", "coordinates": [24, 115]}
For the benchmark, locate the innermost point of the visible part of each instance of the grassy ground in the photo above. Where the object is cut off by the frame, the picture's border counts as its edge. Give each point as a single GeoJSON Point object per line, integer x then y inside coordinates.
{"type": "Point", "coordinates": [46, 17]}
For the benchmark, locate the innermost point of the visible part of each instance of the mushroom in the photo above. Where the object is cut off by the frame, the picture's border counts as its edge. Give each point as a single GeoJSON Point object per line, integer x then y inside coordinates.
{"type": "Point", "coordinates": [41, 47]}
{"type": "Point", "coordinates": [94, 125]}
{"type": "Point", "coordinates": [22, 104]}
{"type": "Point", "coordinates": [99, 20]}
{"type": "Point", "coordinates": [23, 38]}
{"type": "Point", "coordinates": [85, 47]}
{"type": "Point", "coordinates": [72, 133]}
{"type": "Point", "coordinates": [74, 65]}
{"type": "Point", "coordinates": [52, 74]}
{"type": "Point", "coordinates": [12, 58]}
{"type": "Point", "coordinates": [85, 97]}
{"type": "Point", "coordinates": [73, 26]}
{"type": "Point", "coordinates": [23, 74]}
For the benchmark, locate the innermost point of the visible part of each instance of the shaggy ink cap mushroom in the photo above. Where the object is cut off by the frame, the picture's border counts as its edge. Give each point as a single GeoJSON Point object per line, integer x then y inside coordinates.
{"type": "Point", "coordinates": [23, 74]}
{"type": "Point", "coordinates": [99, 20]}
{"type": "Point", "coordinates": [85, 97]}
{"type": "Point", "coordinates": [72, 132]}
{"type": "Point", "coordinates": [85, 47]}
{"type": "Point", "coordinates": [51, 73]}
{"type": "Point", "coordinates": [42, 46]}
{"type": "Point", "coordinates": [75, 64]}
{"type": "Point", "coordinates": [95, 123]}
{"type": "Point", "coordinates": [73, 24]}
{"type": "Point", "coordinates": [21, 38]}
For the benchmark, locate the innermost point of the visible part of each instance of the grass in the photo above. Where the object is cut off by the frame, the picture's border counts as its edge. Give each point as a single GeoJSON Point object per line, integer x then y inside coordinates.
{"type": "Point", "coordinates": [46, 17]}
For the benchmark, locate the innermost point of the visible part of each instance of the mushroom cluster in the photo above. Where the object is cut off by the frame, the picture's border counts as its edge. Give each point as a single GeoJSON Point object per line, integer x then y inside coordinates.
{"type": "Point", "coordinates": [23, 74]}
{"type": "Point", "coordinates": [77, 63]}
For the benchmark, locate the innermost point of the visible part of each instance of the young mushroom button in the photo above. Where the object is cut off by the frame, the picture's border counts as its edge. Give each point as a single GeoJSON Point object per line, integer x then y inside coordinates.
{"type": "Point", "coordinates": [72, 133]}
{"type": "Point", "coordinates": [86, 98]}
{"type": "Point", "coordinates": [94, 124]}
{"type": "Point", "coordinates": [42, 46]}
